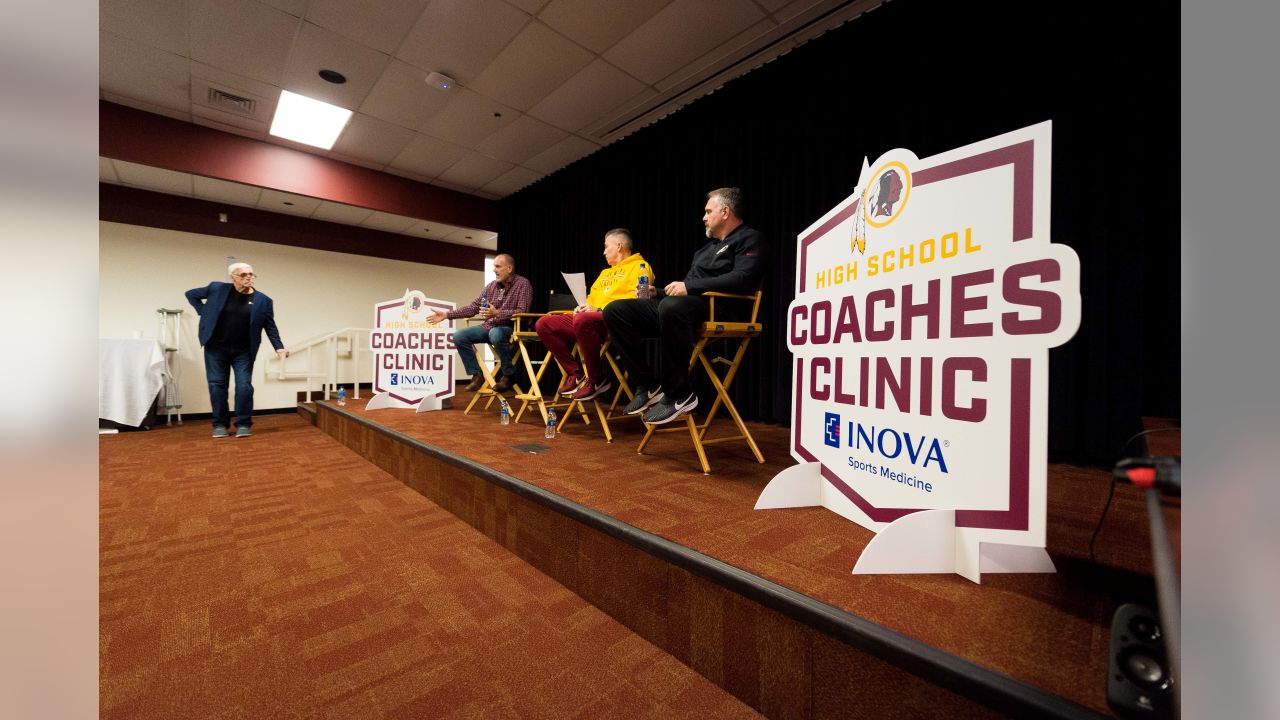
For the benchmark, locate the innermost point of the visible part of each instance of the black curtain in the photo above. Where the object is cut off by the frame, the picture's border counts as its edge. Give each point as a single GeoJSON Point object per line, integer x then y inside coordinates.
{"type": "Point", "coordinates": [927, 76]}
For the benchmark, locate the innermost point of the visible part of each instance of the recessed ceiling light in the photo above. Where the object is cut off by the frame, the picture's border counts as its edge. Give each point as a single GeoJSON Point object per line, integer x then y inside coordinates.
{"type": "Point", "coordinates": [312, 122]}
{"type": "Point", "coordinates": [333, 76]}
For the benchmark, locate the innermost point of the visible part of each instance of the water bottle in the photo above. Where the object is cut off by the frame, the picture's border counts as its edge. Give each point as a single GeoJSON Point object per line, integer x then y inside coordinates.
{"type": "Point", "coordinates": [551, 424]}
{"type": "Point", "coordinates": [342, 396]}
{"type": "Point", "coordinates": [642, 287]}
{"type": "Point", "coordinates": [504, 414]}
{"type": "Point", "coordinates": [484, 303]}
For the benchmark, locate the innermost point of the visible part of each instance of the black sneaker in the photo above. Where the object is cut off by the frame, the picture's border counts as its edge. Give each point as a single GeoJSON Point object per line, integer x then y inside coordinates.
{"type": "Point", "coordinates": [666, 411]}
{"type": "Point", "coordinates": [643, 400]}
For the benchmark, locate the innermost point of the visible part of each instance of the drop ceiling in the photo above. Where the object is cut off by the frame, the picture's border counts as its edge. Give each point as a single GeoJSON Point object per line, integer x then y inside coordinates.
{"type": "Point", "coordinates": [540, 83]}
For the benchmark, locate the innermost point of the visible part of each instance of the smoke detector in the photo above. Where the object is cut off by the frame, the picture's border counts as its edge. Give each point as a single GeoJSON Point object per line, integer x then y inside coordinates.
{"type": "Point", "coordinates": [441, 82]}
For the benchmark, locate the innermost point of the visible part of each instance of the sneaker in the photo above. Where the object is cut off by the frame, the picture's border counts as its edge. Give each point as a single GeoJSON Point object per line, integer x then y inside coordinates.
{"type": "Point", "coordinates": [503, 384]}
{"type": "Point", "coordinates": [666, 411]}
{"type": "Point", "coordinates": [219, 431]}
{"type": "Point", "coordinates": [643, 400]}
{"type": "Point", "coordinates": [589, 390]}
{"type": "Point", "coordinates": [571, 385]}
{"type": "Point", "coordinates": [243, 431]}
{"type": "Point", "coordinates": [476, 381]}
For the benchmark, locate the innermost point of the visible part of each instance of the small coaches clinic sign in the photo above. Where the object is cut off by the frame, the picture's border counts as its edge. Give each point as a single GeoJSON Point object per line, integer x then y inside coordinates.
{"type": "Point", "coordinates": [926, 304]}
{"type": "Point", "coordinates": [412, 357]}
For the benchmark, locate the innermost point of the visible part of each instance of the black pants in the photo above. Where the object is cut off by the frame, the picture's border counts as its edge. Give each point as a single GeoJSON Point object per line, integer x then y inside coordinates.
{"type": "Point", "coordinates": [675, 320]}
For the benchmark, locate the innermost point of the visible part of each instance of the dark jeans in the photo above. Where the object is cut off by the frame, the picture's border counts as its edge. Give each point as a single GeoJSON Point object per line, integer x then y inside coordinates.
{"type": "Point", "coordinates": [219, 361]}
{"type": "Point", "coordinates": [674, 319]}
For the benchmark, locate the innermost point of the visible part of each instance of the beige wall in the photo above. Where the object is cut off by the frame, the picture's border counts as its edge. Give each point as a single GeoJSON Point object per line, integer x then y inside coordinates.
{"type": "Point", "coordinates": [315, 292]}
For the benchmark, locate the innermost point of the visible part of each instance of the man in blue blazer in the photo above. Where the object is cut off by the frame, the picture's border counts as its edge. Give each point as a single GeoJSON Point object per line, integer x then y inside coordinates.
{"type": "Point", "coordinates": [232, 318]}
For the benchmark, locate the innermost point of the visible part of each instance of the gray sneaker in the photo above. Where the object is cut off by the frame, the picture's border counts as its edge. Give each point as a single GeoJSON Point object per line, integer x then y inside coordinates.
{"type": "Point", "coordinates": [668, 410]}
{"type": "Point", "coordinates": [643, 400]}
{"type": "Point", "coordinates": [219, 431]}
{"type": "Point", "coordinates": [243, 432]}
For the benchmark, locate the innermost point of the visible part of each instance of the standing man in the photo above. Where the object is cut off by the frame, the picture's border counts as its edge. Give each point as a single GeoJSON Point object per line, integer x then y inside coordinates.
{"type": "Point", "coordinates": [731, 263]}
{"type": "Point", "coordinates": [586, 324]}
{"type": "Point", "coordinates": [232, 318]}
{"type": "Point", "coordinates": [507, 295]}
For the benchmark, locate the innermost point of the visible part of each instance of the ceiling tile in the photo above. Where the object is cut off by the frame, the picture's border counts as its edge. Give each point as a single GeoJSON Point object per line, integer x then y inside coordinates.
{"type": "Point", "coordinates": [679, 33]}
{"type": "Point", "coordinates": [259, 128]}
{"type": "Point", "coordinates": [696, 70]}
{"type": "Point", "coordinates": [426, 156]}
{"type": "Point", "coordinates": [233, 129]}
{"type": "Point", "coordinates": [182, 115]}
{"type": "Point", "coordinates": [587, 96]}
{"type": "Point", "coordinates": [292, 7]}
{"type": "Point", "coordinates": [530, 6]}
{"type": "Point", "coordinates": [598, 24]}
{"type": "Point", "coordinates": [521, 140]}
{"type": "Point", "coordinates": [379, 24]}
{"type": "Point", "coordinates": [242, 36]}
{"type": "Point", "coordinates": [134, 70]}
{"type": "Point", "coordinates": [228, 192]}
{"type": "Point", "coordinates": [773, 5]}
{"type": "Point", "coordinates": [153, 178]}
{"type": "Point", "coordinates": [461, 37]}
{"type": "Point", "coordinates": [158, 23]}
{"type": "Point", "coordinates": [538, 61]}
{"type": "Point", "coordinates": [374, 141]}
{"type": "Point", "coordinates": [562, 153]}
{"type": "Point", "coordinates": [511, 181]}
{"type": "Point", "coordinates": [402, 96]}
{"type": "Point", "coordinates": [474, 171]}
{"type": "Point", "coordinates": [379, 220]}
{"type": "Point", "coordinates": [107, 171]}
{"type": "Point", "coordinates": [319, 49]}
{"type": "Point", "coordinates": [474, 238]}
{"type": "Point", "coordinates": [433, 230]}
{"type": "Point", "coordinates": [339, 213]}
{"type": "Point", "coordinates": [288, 203]}
{"type": "Point", "coordinates": [469, 118]}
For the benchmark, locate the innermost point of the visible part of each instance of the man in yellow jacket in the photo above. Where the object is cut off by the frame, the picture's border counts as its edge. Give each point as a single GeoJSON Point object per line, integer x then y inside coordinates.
{"type": "Point", "coordinates": [586, 324]}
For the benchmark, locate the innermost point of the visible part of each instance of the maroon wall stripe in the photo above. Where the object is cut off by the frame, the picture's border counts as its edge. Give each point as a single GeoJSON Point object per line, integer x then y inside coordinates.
{"type": "Point", "coordinates": [148, 139]}
{"type": "Point", "coordinates": [134, 206]}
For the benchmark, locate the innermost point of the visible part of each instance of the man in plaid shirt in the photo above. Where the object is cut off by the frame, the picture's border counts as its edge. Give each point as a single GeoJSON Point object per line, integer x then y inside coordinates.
{"type": "Point", "coordinates": [507, 295]}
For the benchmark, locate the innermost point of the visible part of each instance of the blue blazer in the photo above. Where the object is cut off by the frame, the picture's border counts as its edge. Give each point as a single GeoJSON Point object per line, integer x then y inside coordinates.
{"type": "Point", "coordinates": [209, 301]}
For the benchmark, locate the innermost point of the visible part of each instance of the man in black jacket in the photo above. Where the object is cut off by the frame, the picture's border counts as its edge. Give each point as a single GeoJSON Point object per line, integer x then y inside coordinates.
{"type": "Point", "coordinates": [731, 262]}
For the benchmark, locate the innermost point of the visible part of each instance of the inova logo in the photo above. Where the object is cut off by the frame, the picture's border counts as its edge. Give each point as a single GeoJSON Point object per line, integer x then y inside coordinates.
{"type": "Point", "coordinates": [395, 378]}
{"type": "Point", "coordinates": [887, 442]}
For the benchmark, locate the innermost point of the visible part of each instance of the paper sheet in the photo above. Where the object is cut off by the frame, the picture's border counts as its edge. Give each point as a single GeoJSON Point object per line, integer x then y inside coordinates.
{"type": "Point", "coordinates": [577, 285]}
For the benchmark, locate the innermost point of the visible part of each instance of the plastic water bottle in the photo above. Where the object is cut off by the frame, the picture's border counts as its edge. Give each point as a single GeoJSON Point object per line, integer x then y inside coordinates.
{"type": "Point", "coordinates": [342, 396]}
{"type": "Point", "coordinates": [642, 287]}
{"type": "Point", "coordinates": [551, 424]}
{"type": "Point", "coordinates": [484, 303]}
{"type": "Point", "coordinates": [504, 413]}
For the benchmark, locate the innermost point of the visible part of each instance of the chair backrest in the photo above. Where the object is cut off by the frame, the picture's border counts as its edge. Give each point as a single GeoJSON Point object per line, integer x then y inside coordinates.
{"type": "Point", "coordinates": [561, 301]}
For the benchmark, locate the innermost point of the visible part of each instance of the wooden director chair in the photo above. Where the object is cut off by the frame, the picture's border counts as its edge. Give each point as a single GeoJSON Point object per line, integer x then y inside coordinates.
{"type": "Point", "coordinates": [739, 335]}
{"type": "Point", "coordinates": [525, 336]}
{"type": "Point", "coordinates": [621, 394]}
{"type": "Point", "coordinates": [490, 372]}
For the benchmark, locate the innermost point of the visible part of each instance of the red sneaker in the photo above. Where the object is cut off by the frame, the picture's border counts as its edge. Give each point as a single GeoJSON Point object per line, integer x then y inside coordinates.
{"type": "Point", "coordinates": [570, 385]}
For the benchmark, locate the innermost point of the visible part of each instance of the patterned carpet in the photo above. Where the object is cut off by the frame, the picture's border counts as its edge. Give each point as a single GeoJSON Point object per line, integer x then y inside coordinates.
{"type": "Point", "coordinates": [282, 576]}
{"type": "Point", "coordinates": [1050, 631]}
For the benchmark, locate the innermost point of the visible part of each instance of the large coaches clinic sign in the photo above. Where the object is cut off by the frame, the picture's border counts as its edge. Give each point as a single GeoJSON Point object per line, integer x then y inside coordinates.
{"type": "Point", "coordinates": [926, 304]}
{"type": "Point", "coordinates": [412, 357]}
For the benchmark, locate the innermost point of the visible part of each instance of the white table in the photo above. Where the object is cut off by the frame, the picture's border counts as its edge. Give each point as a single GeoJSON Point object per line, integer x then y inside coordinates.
{"type": "Point", "coordinates": [130, 375]}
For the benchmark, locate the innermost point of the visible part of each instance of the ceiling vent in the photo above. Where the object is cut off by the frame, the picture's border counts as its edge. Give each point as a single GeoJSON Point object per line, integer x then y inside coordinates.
{"type": "Point", "coordinates": [232, 103]}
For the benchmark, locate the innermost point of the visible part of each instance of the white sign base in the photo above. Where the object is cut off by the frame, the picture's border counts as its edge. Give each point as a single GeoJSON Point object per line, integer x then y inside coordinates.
{"type": "Point", "coordinates": [924, 542]}
{"type": "Point", "coordinates": [429, 403]}
{"type": "Point", "coordinates": [383, 401]}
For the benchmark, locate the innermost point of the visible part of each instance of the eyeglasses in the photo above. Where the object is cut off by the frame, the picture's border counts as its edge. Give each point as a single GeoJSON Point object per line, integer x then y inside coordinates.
{"type": "Point", "coordinates": [243, 275]}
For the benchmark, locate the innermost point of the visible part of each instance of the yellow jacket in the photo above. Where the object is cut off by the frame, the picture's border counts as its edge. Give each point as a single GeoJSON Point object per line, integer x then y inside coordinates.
{"type": "Point", "coordinates": [618, 282]}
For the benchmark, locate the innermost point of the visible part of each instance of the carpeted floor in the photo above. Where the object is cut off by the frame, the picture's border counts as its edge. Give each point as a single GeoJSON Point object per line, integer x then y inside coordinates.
{"type": "Point", "coordinates": [1050, 630]}
{"type": "Point", "coordinates": [282, 576]}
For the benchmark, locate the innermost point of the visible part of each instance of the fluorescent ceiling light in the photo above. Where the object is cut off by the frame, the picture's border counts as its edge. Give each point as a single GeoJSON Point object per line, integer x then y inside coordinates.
{"type": "Point", "coordinates": [308, 121]}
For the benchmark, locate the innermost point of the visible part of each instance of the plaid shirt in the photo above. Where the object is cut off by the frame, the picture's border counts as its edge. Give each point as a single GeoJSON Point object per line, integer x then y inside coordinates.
{"type": "Point", "coordinates": [509, 300]}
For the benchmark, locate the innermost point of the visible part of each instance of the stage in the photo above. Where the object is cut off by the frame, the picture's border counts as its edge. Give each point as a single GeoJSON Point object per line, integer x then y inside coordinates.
{"type": "Point", "coordinates": [763, 602]}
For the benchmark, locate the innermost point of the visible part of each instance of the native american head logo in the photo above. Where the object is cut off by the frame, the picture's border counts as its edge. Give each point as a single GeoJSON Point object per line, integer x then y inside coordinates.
{"type": "Point", "coordinates": [883, 198]}
{"type": "Point", "coordinates": [415, 303]}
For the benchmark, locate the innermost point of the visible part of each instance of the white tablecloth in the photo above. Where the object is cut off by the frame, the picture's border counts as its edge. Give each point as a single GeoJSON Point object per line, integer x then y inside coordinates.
{"type": "Point", "coordinates": [130, 375]}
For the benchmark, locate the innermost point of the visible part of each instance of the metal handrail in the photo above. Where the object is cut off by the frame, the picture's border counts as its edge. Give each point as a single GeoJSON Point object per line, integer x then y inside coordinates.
{"type": "Point", "coordinates": [326, 348]}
